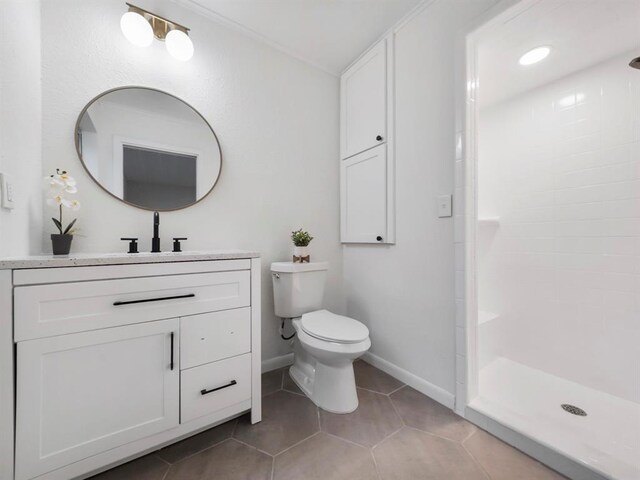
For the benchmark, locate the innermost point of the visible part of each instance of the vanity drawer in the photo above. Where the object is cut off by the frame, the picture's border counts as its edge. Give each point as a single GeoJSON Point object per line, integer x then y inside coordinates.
{"type": "Point", "coordinates": [211, 387]}
{"type": "Point", "coordinates": [209, 337]}
{"type": "Point", "coordinates": [61, 308]}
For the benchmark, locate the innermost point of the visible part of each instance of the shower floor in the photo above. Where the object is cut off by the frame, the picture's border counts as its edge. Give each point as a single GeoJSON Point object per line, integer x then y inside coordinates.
{"type": "Point", "coordinates": [529, 401]}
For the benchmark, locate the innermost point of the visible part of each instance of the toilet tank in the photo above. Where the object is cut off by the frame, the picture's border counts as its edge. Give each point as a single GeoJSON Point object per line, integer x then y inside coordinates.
{"type": "Point", "coordinates": [298, 287]}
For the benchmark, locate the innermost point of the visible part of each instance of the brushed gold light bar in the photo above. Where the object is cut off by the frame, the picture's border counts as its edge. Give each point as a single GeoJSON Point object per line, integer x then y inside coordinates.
{"type": "Point", "coordinates": [160, 25]}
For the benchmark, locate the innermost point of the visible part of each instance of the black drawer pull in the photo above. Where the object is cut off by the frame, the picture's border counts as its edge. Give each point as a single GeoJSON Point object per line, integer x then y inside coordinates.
{"type": "Point", "coordinates": [130, 302]}
{"type": "Point", "coordinates": [171, 350]}
{"type": "Point", "coordinates": [230, 384]}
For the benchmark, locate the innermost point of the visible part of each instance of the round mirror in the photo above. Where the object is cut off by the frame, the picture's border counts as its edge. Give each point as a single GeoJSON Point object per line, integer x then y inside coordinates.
{"type": "Point", "coordinates": [148, 148]}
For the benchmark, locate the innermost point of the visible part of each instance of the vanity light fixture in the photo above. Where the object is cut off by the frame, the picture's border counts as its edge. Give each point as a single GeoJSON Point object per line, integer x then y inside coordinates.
{"type": "Point", "coordinates": [535, 55]}
{"type": "Point", "coordinates": [140, 26]}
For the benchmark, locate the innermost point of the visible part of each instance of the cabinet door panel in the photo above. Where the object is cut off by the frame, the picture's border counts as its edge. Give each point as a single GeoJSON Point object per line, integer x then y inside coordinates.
{"type": "Point", "coordinates": [363, 183]}
{"type": "Point", "coordinates": [85, 393]}
{"type": "Point", "coordinates": [364, 102]}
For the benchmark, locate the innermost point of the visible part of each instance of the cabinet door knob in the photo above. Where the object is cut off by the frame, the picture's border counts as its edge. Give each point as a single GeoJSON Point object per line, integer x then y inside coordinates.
{"type": "Point", "coordinates": [379, 138]}
{"type": "Point", "coordinates": [379, 238]}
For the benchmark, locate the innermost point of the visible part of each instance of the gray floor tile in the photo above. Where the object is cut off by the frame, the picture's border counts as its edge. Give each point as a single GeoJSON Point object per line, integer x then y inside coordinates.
{"type": "Point", "coordinates": [412, 454]}
{"type": "Point", "coordinates": [229, 460]}
{"type": "Point", "coordinates": [503, 462]}
{"type": "Point", "coordinates": [148, 467]}
{"type": "Point", "coordinates": [272, 381]}
{"type": "Point", "coordinates": [181, 450]}
{"type": "Point", "coordinates": [373, 420]}
{"type": "Point", "coordinates": [287, 419]}
{"type": "Point", "coordinates": [323, 457]}
{"type": "Point", "coordinates": [371, 378]}
{"type": "Point", "coordinates": [420, 411]}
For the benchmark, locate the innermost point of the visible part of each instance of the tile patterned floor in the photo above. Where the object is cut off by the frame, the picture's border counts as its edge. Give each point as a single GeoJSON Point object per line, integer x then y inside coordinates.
{"type": "Point", "coordinates": [395, 434]}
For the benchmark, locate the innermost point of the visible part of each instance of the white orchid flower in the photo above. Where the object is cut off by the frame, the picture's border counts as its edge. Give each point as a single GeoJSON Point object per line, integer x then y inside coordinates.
{"type": "Point", "coordinates": [68, 180]}
{"type": "Point", "coordinates": [55, 181]}
{"type": "Point", "coordinates": [61, 185]}
{"type": "Point", "coordinates": [56, 200]}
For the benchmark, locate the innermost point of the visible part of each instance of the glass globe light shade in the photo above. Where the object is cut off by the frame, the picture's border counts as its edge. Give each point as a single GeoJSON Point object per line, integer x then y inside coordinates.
{"type": "Point", "coordinates": [137, 29]}
{"type": "Point", "coordinates": [179, 45]}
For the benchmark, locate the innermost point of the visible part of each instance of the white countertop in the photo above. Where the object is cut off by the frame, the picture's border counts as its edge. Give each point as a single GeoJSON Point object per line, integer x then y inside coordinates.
{"type": "Point", "coordinates": [92, 259]}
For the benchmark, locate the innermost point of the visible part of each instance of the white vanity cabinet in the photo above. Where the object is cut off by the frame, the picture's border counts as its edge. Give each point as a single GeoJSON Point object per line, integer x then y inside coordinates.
{"type": "Point", "coordinates": [367, 148]}
{"type": "Point", "coordinates": [115, 360]}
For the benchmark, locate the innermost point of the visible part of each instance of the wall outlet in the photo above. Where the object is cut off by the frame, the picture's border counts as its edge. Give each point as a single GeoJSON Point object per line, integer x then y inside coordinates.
{"type": "Point", "coordinates": [444, 206]}
{"type": "Point", "coordinates": [7, 190]}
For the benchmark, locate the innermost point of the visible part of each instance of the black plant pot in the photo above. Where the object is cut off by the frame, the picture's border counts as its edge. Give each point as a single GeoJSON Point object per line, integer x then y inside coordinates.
{"type": "Point", "coordinates": [61, 243]}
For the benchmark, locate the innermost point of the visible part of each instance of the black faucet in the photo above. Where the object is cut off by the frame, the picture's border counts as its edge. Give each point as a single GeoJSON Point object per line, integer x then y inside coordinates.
{"type": "Point", "coordinates": [155, 242]}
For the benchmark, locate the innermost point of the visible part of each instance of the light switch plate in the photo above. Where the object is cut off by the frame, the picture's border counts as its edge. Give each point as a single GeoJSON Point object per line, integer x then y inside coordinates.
{"type": "Point", "coordinates": [444, 206]}
{"type": "Point", "coordinates": [7, 189]}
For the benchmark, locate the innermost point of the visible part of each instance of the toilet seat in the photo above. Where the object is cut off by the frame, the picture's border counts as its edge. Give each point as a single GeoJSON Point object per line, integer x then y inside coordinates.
{"type": "Point", "coordinates": [327, 326]}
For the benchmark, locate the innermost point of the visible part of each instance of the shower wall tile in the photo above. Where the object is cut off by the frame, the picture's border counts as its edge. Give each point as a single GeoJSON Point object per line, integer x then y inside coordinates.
{"type": "Point", "coordinates": [560, 167]}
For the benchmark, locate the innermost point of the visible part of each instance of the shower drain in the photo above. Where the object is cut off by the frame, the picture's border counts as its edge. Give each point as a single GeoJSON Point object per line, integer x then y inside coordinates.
{"type": "Point", "coordinates": [573, 410]}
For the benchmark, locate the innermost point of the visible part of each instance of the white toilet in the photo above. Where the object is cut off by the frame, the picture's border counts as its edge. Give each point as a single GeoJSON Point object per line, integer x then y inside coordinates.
{"type": "Point", "coordinates": [326, 344]}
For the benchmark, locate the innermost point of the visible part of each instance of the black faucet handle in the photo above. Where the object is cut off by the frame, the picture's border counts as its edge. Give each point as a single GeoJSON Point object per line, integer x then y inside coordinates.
{"type": "Point", "coordinates": [133, 244]}
{"type": "Point", "coordinates": [176, 243]}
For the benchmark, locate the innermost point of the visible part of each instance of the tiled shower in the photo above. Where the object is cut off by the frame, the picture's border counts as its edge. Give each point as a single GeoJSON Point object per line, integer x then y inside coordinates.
{"type": "Point", "coordinates": [558, 263]}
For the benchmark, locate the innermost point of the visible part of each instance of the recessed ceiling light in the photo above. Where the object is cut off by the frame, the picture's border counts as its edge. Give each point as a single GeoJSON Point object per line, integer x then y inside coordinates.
{"type": "Point", "coordinates": [535, 55]}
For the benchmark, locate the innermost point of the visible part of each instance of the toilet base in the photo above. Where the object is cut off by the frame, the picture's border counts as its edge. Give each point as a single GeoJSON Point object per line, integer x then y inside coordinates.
{"type": "Point", "coordinates": [345, 403]}
{"type": "Point", "coordinates": [324, 371]}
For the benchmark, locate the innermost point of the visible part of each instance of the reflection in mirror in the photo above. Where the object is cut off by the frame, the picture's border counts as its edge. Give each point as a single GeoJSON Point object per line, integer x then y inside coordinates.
{"type": "Point", "coordinates": [148, 148]}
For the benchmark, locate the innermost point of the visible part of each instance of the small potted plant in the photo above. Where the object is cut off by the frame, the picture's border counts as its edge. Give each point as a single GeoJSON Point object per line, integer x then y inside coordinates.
{"type": "Point", "coordinates": [61, 188]}
{"type": "Point", "coordinates": [301, 241]}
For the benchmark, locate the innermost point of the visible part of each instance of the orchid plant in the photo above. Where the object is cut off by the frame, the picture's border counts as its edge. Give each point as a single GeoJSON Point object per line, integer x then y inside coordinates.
{"type": "Point", "coordinates": [61, 186]}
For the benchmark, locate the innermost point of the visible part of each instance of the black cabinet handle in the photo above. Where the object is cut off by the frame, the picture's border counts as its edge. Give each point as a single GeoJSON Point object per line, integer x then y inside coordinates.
{"type": "Point", "coordinates": [379, 138]}
{"type": "Point", "coordinates": [172, 350]}
{"type": "Point", "coordinates": [379, 238]}
{"type": "Point", "coordinates": [230, 384]}
{"type": "Point", "coordinates": [130, 302]}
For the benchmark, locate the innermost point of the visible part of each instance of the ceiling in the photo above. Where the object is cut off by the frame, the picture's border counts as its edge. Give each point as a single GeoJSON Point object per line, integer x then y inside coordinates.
{"type": "Point", "coordinates": [329, 34]}
{"type": "Point", "coordinates": [581, 33]}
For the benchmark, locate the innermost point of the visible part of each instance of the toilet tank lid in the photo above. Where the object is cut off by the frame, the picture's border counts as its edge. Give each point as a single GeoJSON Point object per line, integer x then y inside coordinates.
{"type": "Point", "coordinates": [290, 267]}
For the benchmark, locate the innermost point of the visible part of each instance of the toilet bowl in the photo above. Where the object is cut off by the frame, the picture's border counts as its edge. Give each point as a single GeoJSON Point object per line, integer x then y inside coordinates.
{"type": "Point", "coordinates": [325, 347]}
{"type": "Point", "coordinates": [325, 344]}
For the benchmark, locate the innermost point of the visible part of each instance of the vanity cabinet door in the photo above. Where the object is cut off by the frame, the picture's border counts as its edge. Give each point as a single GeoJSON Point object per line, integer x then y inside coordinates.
{"type": "Point", "coordinates": [363, 102]}
{"type": "Point", "coordinates": [86, 393]}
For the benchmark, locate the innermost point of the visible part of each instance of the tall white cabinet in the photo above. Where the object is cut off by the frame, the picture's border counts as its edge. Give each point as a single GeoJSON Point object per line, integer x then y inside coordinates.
{"type": "Point", "coordinates": [115, 360]}
{"type": "Point", "coordinates": [367, 148]}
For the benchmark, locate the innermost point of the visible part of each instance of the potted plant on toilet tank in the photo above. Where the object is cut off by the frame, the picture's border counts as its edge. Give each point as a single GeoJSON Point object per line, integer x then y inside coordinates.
{"type": "Point", "coordinates": [301, 241]}
{"type": "Point", "coordinates": [60, 190]}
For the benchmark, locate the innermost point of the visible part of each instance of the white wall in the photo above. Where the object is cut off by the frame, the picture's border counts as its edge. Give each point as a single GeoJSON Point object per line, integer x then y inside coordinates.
{"type": "Point", "coordinates": [20, 124]}
{"type": "Point", "coordinates": [560, 166]}
{"type": "Point", "coordinates": [405, 293]}
{"type": "Point", "coordinates": [276, 118]}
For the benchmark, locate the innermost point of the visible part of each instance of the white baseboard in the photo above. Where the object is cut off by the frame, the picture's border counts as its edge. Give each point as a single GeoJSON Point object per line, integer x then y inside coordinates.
{"type": "Point", "coordinates": [440, 395]}
{"type": "Point", "coordinates": [277, 362]}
